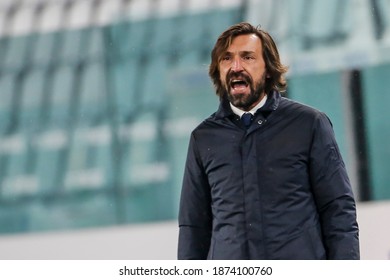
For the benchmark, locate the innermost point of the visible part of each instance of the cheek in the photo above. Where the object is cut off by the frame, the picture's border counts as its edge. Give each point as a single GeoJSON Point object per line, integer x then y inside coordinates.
{"type": "Point", "coordinates": [260, 75]}
{"type": "Point", "coordinates": [222, 77]}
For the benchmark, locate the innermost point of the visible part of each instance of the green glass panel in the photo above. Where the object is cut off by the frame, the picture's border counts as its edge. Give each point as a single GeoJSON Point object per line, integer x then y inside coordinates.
{"type": "Point", "coordinates": [376, 89]}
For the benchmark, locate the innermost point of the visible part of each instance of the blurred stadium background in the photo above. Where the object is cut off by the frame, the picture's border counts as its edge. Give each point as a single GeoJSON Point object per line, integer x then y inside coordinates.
{"type": "Point", "coordinates": [98, 98]}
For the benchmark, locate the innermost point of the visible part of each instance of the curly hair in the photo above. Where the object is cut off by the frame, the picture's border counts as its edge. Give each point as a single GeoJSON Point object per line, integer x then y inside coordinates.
{"type": "Point", "coordinates": [275, 69]}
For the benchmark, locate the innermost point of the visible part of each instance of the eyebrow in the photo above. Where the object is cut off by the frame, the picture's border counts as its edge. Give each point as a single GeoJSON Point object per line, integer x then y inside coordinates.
{"type": "Point", "coordinates": [241, 53]}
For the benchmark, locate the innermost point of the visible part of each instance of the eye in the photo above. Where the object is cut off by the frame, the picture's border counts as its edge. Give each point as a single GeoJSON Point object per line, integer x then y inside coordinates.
{"type": "Point", "coordinates": [226, 58]}
{"type": "Point", "coordinates": [248, 57]}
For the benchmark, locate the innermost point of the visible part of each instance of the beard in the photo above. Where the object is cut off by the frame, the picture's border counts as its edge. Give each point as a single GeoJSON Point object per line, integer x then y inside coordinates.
{"type": "Point", "coordinates": [245, 101]}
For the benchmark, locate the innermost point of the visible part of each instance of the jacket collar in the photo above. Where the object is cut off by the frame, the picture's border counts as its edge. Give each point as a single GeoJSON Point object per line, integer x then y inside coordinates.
{"type": "Point", "coordinates": [273, 99]}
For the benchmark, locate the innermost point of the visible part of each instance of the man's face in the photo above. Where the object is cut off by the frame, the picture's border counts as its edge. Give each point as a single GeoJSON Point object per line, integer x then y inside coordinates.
{"type": "Point", "coordinates": [242, 71]}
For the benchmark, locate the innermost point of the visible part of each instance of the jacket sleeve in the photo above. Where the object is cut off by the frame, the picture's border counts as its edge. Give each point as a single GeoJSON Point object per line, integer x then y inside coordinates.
{"type": "Point", "coordinates": [333, 193]}
{"type": "Point", "coordinates": [195, 209]}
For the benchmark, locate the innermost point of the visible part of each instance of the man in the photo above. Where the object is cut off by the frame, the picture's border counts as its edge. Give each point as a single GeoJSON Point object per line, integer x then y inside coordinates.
{"type": "Point", "coordinates": [273, 187]}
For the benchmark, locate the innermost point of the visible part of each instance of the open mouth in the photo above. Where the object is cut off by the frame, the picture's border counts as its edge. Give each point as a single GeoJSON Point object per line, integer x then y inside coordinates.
{"type": "Point", "coordinates": [238, 84]}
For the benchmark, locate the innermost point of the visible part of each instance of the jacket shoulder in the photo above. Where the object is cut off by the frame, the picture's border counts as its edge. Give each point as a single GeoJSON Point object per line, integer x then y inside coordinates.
{"type": "Point", "coordinates": [297, 108]}
{"type": "Point", "coordinates": [205, 123]}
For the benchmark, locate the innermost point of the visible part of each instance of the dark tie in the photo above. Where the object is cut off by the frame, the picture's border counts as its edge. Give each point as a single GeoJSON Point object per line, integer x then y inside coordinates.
{"type": "Point", "coordinates": [246, 119]}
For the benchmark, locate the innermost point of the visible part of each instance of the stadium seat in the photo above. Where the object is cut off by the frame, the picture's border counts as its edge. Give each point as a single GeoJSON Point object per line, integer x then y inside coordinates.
{"type": "Point", "coordinates": [32, 99]}
{"type": "Point", "coordinates": [17, 52]}
{"type": "Point", "coordinates": [92, 95]}
{"type": "Point", "coordinates": [90, 161]}
{"type": "Point", "coordinates": [7, 86]}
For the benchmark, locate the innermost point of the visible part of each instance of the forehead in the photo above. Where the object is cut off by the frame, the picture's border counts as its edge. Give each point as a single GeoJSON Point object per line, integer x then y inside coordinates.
{"type": "Point", "coordinates": [247, 42]}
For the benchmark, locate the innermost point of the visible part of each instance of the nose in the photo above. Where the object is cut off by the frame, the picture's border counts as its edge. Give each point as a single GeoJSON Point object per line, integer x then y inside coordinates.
{"type": "Point", "coordinates": [236, 65]}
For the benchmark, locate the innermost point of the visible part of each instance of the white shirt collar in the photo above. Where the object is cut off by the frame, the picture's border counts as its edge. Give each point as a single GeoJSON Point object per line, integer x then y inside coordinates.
{"type": "Point", "coordinates": [240, 112]}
